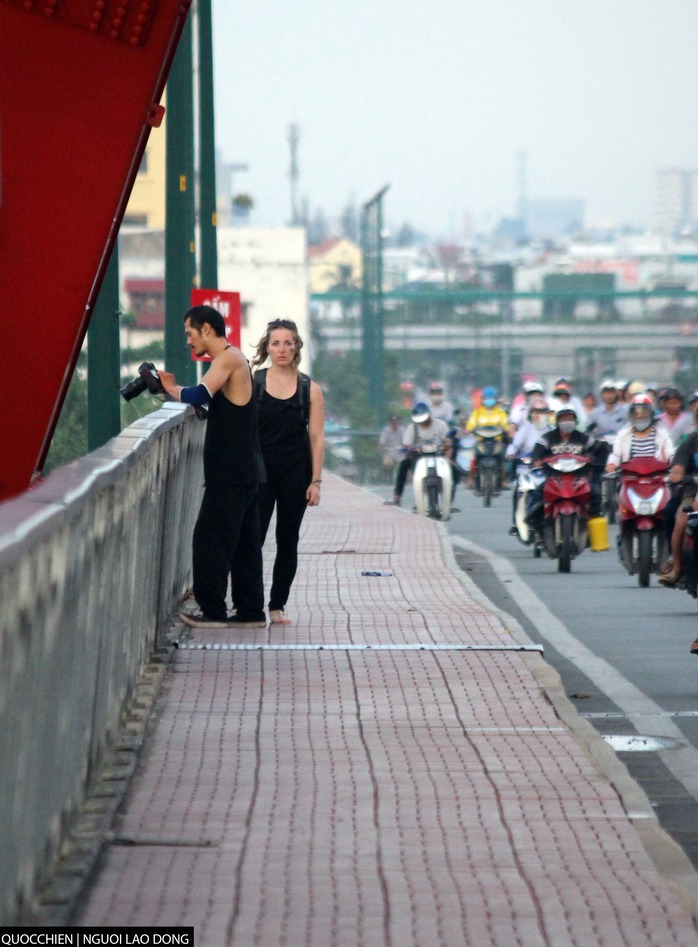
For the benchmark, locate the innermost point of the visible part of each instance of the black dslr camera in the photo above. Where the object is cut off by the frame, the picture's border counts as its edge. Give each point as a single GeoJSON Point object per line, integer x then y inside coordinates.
{"type": "Point", "coordinates": [149, 380]}
{"type": "Point", "coordinates": [146, 380]}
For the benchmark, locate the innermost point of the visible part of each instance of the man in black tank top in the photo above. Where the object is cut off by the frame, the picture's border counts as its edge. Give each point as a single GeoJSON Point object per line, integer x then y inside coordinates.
{"type": "Point", "coordinates": [227, 540]}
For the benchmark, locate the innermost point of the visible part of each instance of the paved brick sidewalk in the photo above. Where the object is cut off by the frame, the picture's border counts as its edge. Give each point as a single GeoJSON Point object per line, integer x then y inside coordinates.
{"type": "Point", "coordinates": [387, 796]}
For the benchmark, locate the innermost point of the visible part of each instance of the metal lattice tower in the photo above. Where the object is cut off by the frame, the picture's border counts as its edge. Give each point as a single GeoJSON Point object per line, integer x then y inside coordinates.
{"type": "Point", "coordinates": [293, 137]}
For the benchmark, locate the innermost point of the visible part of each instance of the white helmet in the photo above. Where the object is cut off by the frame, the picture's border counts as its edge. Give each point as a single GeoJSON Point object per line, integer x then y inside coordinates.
{"type": "Point", "coordinates": [530, 387]}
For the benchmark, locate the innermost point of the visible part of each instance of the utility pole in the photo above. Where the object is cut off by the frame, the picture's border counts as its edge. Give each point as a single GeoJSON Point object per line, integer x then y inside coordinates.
{"type": "Point", "coordinates": [293, 137]}
{"type": "Point", "coordinates": [180, 208]}
{"type": "Point", "coordinates": [104, 360]}
{"type": "Point", "coordinates": [523, 187]}
{"type": "Point", "coordinates": [372, 302]}
{"type": "Point", "coordinates": [208, 217]}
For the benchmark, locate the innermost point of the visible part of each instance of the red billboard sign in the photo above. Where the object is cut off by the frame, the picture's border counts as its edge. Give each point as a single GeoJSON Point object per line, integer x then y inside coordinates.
{"type": "Point", "coordinates": [228, 304]}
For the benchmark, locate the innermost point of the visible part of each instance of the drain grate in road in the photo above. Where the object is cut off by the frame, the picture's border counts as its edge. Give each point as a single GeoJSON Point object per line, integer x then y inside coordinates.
{"type": "Point", "coordinates": [638, 744]}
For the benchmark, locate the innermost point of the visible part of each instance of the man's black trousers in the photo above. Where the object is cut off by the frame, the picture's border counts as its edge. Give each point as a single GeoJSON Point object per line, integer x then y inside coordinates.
{"type": "Point", "coordinates": [227, 542]}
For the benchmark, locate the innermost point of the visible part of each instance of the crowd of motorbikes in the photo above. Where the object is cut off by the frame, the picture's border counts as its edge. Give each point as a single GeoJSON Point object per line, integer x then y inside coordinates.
{"type": "Point", "coordinates": [636, 498]}
{"type": "Point", "coordinates": [551, 501]}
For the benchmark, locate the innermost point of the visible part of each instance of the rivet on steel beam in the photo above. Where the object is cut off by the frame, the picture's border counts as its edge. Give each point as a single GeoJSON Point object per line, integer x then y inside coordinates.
{"type": "Point", "coordinates": [154, 115]}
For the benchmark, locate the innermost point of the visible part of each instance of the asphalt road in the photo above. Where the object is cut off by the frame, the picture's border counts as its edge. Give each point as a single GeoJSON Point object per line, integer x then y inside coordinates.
{"type": "Point", "coordinates": [622, 651]}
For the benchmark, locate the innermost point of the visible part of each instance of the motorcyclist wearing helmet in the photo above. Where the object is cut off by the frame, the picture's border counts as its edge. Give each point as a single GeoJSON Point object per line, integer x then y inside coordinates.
{"type": "Point", "coordinates": [424, 430]}
{"type": "Point", "coordinates": [678, 422]}
{"type": "Point", "coordinates": [565, 438]}
{"type": "Point", "coordinates": [525, 439]}
{"type": "Point", "coordinates": [489, 414]}
{"type": "Point", "coordinates": [642, 436]}
{"type": "Point", "coordinates": [518, 415]}
{"type": "Point", "coordinates": [611, 415]}
{"type": "Point", "coordinates": [538, 423]}
{"type": "Point", "coordinates": [563, 396]}
{"type": "Point", "coordinates": [439, 408]}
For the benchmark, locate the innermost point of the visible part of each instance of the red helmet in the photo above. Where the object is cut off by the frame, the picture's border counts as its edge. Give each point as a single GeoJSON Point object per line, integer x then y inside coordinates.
{"type": "Point", "coordinates": [644, 402]}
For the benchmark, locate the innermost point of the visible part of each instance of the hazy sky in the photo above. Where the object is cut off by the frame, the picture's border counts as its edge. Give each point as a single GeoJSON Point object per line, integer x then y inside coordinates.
{"type": "Point", "coordinates": [438, 98]}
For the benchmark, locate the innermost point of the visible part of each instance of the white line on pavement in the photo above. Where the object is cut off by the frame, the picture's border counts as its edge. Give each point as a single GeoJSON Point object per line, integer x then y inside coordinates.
{"type": "Point", "coordinates": [647, 716]}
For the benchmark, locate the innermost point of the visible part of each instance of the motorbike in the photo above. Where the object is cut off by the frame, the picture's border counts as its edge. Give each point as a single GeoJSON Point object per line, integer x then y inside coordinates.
{"type": "Point", "coordinates": [464, 455]}
{"type": "Point", "coordinates": [528, 479]}
{"type": "Point", "coordinates": [432, 483]}
{"type": "Point", "coordinates": [643, 497]}
{"type": "Point", "coordinates": [566, 496]}
{"type": "Point", "coordinates": [490, 445]}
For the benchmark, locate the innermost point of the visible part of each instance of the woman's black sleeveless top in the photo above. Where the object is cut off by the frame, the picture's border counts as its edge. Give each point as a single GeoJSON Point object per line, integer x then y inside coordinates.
{"type": "Point", "coordinates": [283, 433]}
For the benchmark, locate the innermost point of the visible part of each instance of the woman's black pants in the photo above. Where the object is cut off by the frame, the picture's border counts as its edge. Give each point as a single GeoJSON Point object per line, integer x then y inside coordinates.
{"type": "Point", "coordinates": [287, 492]}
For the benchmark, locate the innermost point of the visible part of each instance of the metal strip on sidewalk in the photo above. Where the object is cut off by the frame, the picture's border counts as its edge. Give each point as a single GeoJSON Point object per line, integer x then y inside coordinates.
{"type": "Point", "coordinates": [615, 715]}
{"type": "Point", "coordinates": [226, 646]}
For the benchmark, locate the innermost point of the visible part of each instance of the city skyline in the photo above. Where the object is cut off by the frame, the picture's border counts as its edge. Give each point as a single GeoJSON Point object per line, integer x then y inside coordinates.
{"type": "Point", "coordinates": [440, 103]}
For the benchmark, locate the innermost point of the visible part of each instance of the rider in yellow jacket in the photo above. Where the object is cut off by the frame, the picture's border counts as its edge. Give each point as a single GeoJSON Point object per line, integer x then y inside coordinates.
{"type": "Point", "coordinates": [489, 414]}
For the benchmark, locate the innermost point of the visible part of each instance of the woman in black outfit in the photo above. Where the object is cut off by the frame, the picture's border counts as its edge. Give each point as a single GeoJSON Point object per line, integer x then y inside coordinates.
{"type": "Point", "coordinates": [291, 419]}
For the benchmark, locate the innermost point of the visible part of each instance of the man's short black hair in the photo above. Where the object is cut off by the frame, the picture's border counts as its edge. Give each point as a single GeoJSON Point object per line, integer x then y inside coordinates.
{"type": "Point", "coordinates": [198, 315]}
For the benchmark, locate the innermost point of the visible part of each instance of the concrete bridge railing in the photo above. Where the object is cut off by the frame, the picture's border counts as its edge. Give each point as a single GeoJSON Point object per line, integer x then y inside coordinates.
{"type": "Point", "coordinates": [92, 563]}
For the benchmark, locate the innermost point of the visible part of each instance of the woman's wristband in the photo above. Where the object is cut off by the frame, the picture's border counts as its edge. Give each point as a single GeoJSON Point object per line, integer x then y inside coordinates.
{"type": "Point", "coordinates": [316, 481]}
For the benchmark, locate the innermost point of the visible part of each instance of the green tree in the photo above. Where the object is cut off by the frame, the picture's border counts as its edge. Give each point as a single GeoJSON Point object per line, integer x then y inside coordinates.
{"type": "Point", "coordinates": [69, 440]}
{"type": "Point", "coordinates": [346, 398]}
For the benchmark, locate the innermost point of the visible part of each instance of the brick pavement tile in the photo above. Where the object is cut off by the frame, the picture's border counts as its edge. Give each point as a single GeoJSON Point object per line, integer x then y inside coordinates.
{"type": "Point", "coordinates": [306, 797]}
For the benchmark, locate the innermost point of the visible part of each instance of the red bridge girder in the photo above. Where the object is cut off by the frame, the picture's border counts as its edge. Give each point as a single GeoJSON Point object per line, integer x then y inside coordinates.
{"type": "Point", "coordinates": [80, 86]}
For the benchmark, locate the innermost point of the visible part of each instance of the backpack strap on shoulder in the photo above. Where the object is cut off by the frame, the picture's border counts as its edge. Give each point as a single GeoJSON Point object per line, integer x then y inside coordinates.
{"type": "Point", "coordinates": [259, 380]}
{"type": "Point", "coordinates": [304, 395]}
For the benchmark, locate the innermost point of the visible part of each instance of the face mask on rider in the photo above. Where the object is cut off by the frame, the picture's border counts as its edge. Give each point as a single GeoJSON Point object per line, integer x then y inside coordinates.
{"type": "Point", "coordinates": [539, 421]}
{"type": "Point", "coordinates": [489, 402]}
{"type": "Point", "coordinates": [641, 424]}
{"type": "Point", "coordinates": [566, 427]}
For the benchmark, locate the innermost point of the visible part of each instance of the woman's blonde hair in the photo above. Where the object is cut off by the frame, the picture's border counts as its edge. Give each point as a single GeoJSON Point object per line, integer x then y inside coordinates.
{"type": "Point", "coordinates": [263, 344]}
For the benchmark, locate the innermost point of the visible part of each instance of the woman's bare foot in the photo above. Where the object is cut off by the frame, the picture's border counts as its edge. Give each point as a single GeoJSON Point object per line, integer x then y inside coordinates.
{"type": "Point", "coordinates": [277, 616]}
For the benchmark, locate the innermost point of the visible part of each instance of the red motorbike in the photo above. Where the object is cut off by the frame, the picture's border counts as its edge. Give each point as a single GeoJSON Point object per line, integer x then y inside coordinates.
{"type": "Point", "coordinates": [643, 498]}
{"type": "Point", "coordinates": [566, 496]}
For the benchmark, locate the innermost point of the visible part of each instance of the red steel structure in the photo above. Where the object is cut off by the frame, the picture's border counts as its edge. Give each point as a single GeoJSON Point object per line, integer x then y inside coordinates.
{"type": "Point", "coordinates": [80, 86]}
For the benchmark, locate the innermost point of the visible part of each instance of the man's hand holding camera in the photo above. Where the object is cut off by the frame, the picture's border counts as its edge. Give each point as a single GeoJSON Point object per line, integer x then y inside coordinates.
{"type": "Point", "coordinates": [167, 380]}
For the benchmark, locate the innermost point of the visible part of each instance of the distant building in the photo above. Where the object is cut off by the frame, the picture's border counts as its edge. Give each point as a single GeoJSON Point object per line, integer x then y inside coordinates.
{"type": "Point", "coordinates": [334, 264]}
{"type": "Point", "coordinates": [146, 206]}
{"type": "Point", "coordinates": [552, 218]}
{"type": "Point", "coordinates": [676, 200]}
{"type": "Point", "coordinates": [267, 266]}
{"type": "Point", "coordinates": [146, 301]}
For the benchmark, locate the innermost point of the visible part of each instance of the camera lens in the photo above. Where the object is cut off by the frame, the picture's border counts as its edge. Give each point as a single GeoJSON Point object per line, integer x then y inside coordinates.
{"type": "Point", "coordinates": [133, 388]}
